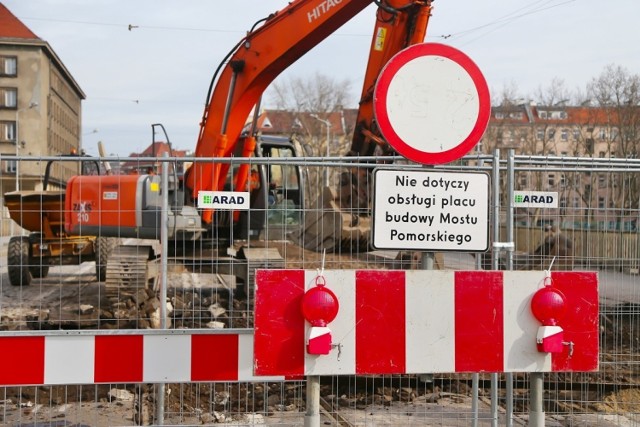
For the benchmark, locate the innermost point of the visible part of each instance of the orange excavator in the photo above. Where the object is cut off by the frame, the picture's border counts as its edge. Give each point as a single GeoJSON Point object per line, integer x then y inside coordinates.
{"type": "Point", "coordinates": [267, 51]}
{"type": "Point", "coordinates": [129, 206]}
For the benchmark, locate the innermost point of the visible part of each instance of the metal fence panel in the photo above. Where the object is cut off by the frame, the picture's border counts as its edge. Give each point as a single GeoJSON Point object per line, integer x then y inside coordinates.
{"type": "Point", "coordinates": [214, 291]}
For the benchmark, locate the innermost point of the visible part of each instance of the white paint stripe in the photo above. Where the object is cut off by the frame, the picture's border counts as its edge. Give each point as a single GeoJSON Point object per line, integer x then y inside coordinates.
{"type": "Point", "coordinates": [167, 358]}
{"type": "Point", "coordinates": [342, 360]}
{"type": "Point", "coordinates": [245, 361]}
{"type": "Point", "coordinates": [520, 327]}
{"type": "Point", "coordinates": [430, 321]}
{"type": "Point", "coordinates": [69, 359]}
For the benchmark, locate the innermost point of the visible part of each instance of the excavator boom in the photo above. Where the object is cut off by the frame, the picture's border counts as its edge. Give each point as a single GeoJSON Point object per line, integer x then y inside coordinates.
{"type": "Point", "coordinates": [264, 53]}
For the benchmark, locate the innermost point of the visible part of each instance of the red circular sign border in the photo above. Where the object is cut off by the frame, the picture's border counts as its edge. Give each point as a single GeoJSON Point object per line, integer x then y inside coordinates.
{"type": "Point", "coordinates": [380, 103]}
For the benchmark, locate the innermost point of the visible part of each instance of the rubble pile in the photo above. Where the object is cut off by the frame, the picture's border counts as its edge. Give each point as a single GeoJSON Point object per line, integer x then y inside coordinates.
{"type": "Point", "coordinates": [138, 310]}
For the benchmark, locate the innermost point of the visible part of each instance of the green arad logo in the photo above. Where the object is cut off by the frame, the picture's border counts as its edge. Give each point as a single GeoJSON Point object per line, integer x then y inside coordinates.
{"type": "Point", "coordinates": [536, 199]}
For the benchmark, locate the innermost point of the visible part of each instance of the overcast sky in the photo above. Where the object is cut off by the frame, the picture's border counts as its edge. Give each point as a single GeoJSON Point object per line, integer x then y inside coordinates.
{"type": "Point", "coordinates": [159, 71]}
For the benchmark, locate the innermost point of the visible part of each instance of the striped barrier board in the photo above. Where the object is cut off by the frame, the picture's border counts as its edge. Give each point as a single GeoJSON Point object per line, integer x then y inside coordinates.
{"type": "Point", "coordinates": [125, 357]}
{"type": "Point", "coordinates": [427, 321]}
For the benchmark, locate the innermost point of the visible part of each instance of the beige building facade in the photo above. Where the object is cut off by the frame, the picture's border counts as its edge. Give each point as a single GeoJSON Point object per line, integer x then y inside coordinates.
{"type": "Point", "coordinates": [597, 199]}
{"type": "Point", "coordinates": [40, 107]}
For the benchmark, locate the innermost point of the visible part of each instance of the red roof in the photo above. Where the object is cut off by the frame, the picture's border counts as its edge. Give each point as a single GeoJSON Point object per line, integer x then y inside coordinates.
{"type": "Point", "coordinates": [12, 27]}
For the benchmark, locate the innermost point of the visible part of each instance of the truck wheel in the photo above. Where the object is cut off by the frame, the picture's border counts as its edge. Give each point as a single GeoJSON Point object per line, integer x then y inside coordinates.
{"type": "Point", "coordinates": [103, 248]}
{"type": "Point", "coordinates": [17, 261]}
{"type": "Point", "coordinates": [36, 268]}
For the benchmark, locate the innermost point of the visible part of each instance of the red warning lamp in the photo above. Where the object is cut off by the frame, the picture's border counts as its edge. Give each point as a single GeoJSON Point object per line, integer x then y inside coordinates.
{"type": "Point", "coordinates": [548, 305]}
{"type": "Point", "coordinates": [319, 307]}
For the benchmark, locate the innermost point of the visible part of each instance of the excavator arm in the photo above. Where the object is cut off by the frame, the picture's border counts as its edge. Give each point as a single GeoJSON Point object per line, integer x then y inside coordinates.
{"type": "Point", "coordinates": [265, 52]}
{"type": "Point", "coordinates": [398, 25]}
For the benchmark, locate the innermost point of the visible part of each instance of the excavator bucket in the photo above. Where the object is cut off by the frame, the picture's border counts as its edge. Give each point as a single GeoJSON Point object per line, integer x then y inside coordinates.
{"type": "Point", "coordinates": [329, 227]}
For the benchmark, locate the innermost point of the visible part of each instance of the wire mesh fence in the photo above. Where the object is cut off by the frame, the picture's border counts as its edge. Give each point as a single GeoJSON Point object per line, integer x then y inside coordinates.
{"type": "Point", "coordinates": [108, 279]}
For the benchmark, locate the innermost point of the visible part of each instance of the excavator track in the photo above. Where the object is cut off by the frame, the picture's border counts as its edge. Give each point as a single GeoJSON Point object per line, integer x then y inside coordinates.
{"type": "Point", "coordinates": [129, 269]}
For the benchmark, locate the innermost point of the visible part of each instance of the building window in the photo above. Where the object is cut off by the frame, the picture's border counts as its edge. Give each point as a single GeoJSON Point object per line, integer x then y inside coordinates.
{"type": "Point", "coordinates": [551, 180]}
{"type": "Point", "coordinates": [601, 154]}
{"type": "Point", "coordinates": [614, 134]}
{"type": "Point", "coordinates": [7, 131]}
{"type": "Point", "coordinates": [576, 134]}
{"type": "Point", "coordinates": [508, 135]}
{"type": "Point", "coordinates": [590, 145]}
{"type": "Point", "coordinates": [564, 134]}
{"type": "Point", "coordinates": [602, 181]}
{"type": "Point", "coordinates": [563, 181]}
{"type": "Point", "coordinates": [603, 134]}
{"type": "Point", "coordinates": [523, 135]}
{"type": "Point", "coordinates": [9, 166]}
{"type": "Point", "coordinates": [552, 133]}
{"type": "Point", "coordinates": [601, 202]}
{"type": "Point", "coordinates": [8, 66]}
{"type": "Point", "coordinates": [540, 134]}
{"type": "Point", "coordinates": [499, 115]}
{"type": "Point", "coordinates": [587, 191]}
{"type": "Point", "coordinates": [576, 201]}
{"type": "Point", "coordinates": [523, 181]}
{"type": "Point", "coordinates": [8, 97]}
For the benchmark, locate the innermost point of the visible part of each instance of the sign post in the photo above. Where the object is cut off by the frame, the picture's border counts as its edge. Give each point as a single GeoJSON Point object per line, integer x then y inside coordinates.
{"type": "Point", "coordinates": [432, 105]}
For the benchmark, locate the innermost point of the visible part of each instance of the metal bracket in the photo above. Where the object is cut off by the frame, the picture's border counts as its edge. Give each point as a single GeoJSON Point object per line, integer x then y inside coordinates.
{"type": "Point", "coordinates": [570, 344]}
{"type": "Point", "coordinates": [504, 246]}
{"type": "Point", "coordinates": [339, 347]}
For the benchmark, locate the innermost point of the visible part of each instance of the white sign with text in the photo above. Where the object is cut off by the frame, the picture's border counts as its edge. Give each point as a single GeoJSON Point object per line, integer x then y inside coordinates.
{"type": "Point", "coordinates": [431, 211]}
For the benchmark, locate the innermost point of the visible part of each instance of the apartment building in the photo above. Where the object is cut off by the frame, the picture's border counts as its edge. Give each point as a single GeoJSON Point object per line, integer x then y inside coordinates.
{"type": "Point", "coordinates": [587, 199]}
{"type": "Point", "coordinates": [557, 131]}
{"type": "Point", "coordinates": [40, 107]}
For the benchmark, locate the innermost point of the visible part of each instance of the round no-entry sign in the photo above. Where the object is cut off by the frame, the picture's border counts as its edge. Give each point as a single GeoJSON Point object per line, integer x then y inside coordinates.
{"type": "Point", "coordinates": [432, 103]}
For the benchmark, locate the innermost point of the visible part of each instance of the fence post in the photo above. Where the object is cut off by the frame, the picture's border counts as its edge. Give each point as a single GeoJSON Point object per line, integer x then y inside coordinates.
{"type": "Point", "coordinates": [475, 377]}
{"type": "Point", "coordinates": [510, 241]}
{"type": "Point", "coordinates": [536, 412]}
{"type": "Point", "coordinates": [312, 416]}
{"type": "Point", "coordinates": [496, 266]}
{"type": "Point", "coordinates": [164, 241]}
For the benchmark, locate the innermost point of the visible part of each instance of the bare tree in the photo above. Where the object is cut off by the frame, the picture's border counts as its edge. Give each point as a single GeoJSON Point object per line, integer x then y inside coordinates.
{"type": "Point", "coordinates": [314, 94]}
{"type": "Point", "coordinates": [509, 95]}
{"type": "Point", "coordinates": [617, 94]}
{"type": "Point", "coordinates": [555, 94]}
{"type": "Point", "coordinates": [312, 99]}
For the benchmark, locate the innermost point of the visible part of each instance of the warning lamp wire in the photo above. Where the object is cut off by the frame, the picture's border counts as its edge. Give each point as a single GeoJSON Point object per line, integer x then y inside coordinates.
{"type": "Point", "coordinates": [547, 273]}
{"type": "Point", "coordinates": [321, 269]}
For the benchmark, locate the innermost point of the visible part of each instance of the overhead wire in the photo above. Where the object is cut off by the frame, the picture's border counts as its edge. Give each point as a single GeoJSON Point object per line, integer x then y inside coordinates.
{"type": "Point", "coordinates": [530, 9]}
{"type": "Point", "coordinates": [508, 19]}
{"type": "Point", "coordinates": [130, 26]}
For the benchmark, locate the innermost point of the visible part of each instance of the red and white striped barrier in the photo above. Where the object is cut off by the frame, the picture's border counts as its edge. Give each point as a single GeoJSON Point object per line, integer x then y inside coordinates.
{"type": "Point", "coordinates": [424, 321]}
{"type": "Point", "coordinates": [123, 357]}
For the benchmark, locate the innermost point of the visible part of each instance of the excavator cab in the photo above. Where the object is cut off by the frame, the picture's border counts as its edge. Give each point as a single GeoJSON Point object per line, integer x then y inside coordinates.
{"type": "Point", "coordinates": [285, 198]}
{"type": "Point", "coordinates": [275, 192]}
